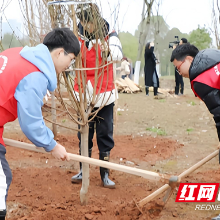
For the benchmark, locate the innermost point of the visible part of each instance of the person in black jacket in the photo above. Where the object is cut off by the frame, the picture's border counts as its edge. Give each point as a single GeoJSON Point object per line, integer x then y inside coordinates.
{"type": "Point", "coordinates": [179, 88]}
{"type": "Point", "coordinates": [150, 72]}
{"type": "Point", "coordinates": [203, 70]}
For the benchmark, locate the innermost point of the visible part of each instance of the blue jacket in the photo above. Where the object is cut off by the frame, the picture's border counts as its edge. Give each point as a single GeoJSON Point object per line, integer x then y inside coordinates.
{"type": "Point", "coordinates": [30, 93]}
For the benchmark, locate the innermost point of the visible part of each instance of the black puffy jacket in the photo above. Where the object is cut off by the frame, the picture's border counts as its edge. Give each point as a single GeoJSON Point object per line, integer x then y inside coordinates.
{"type": "Point", "coordinates": [203, 61]}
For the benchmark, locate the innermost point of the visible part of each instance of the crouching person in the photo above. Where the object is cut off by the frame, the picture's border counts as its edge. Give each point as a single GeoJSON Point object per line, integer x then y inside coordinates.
{"type": "Point", "coordinates": [203, 70]}
{"type": "Point", "coordinates": [25, 76]}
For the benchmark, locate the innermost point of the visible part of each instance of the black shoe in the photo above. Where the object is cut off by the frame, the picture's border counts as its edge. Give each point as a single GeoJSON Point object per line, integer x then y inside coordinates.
{"type": "Point", "coordinates": [106, 181]}
{"type": "Point", "coordinates": [104, 172]}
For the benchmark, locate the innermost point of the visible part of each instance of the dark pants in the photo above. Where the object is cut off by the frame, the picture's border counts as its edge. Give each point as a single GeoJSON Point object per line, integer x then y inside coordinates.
{"type": "Point", "coordinates": [104, 129]}
{"type": "Point", "coordinates": [179, 82]}
{"type": "Point", "coordinates": [5, 181]}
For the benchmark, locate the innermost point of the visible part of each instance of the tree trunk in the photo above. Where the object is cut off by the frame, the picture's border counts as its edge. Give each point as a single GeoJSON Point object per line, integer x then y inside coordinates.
{"type": "Point", "coordinates": [85, 166]}
{"type": "Point", "coordinates": [145, 26]}
{"type": "Point", "coordinates": [142, 42]}
{"type": "Point", "coordinates": [29, 24]}
{"type": "Point", "coordinates": [216, 22]}
{"type": "Point", "coordinates": [54, 113]}
{"type": "Point", "coordinates": [53, 104]}
{"type": "Point", "coordinates": [141, 33]}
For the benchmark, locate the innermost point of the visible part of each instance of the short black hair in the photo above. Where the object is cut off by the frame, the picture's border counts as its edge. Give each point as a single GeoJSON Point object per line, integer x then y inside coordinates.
{"type": "Point", "coordinates": [184, 40]}
{"type": "Point", "coordinates": [64, 38]}
{"type": "Point", "coordinates": [183, 50]}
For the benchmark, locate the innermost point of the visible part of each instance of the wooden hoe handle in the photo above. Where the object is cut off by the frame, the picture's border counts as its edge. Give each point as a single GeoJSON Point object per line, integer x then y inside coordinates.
{"type": "Point", "coordinates": [131, 170]}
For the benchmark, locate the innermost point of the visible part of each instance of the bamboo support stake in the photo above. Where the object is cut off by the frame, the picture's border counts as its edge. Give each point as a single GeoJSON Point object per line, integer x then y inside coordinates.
{"type": "Point", "coordinates": [131, 170]}
{"type": "Point", "coordinates": [153, 195]}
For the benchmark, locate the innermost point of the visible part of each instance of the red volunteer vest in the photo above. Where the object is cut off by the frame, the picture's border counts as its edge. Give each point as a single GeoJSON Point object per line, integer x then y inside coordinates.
{"type": "Point", "coordinates": [210, 77]}
{"type": "Point", "coordinates": [13, 68]}
{"type": "Point", "coordinates": [105, 82]}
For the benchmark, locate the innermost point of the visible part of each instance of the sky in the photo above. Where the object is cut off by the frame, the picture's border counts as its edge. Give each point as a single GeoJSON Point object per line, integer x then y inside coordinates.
{"type": "Point", "coordinates": [185, 15]}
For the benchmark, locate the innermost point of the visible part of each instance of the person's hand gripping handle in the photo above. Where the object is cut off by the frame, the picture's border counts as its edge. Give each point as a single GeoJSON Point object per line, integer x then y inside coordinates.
{"type": "Point", "coordinates": [59, 152]}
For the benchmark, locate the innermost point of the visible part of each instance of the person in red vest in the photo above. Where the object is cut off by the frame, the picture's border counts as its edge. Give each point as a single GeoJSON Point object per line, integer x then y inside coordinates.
{"type": "Point", "coordinates": [203, 70]}
{"type": "Point", "coordinates": [90, 18]}
{"type": "Point", "coordinates": [25, 76]}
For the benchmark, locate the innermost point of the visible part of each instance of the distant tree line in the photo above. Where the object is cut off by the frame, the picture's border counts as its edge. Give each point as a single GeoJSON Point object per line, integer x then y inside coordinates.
{"type": "Point", "coordinates": [10, 40]}
{"type": "Point", "coordinates": [200, 37]}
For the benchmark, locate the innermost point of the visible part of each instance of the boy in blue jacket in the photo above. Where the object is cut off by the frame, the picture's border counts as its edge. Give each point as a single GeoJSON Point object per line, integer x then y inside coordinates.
{"type": "Point", "coordinates": [25, 76]}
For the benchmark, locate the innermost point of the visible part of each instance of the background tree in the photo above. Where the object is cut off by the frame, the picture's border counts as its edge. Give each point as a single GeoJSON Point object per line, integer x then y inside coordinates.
{"type": "Point", "coordinates": [157, 31]}
{"type": "Point", "coordinates": [200, 38]}
{"type": "Point", "coordinates": [157, 22]}
{"type": "Point", "coordinates": [9, 40]}
{"type": "Point", "coordinates": [216, 22]}
{"type": "Point", "coordinates": [145, 26]}
{"type": "Point", "coordinates": [129, 45]}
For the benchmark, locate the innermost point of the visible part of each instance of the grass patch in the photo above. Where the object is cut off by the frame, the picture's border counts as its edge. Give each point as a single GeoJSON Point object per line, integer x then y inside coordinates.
{"type": "Point", "coordinates": [162, 100]}
{"type": "Point", "coordinates": [189, 130]}
{"type": "Point", "coordinates": [159, 131]}
{"type": "Point", "coordinates": [191, 103]}
{"type": "Point", "coordinates": [119, 113]}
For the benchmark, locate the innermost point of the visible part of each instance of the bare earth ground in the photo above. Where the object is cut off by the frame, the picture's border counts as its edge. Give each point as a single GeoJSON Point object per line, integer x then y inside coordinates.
{"type": "Point", "coordinates": [41, 186]}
